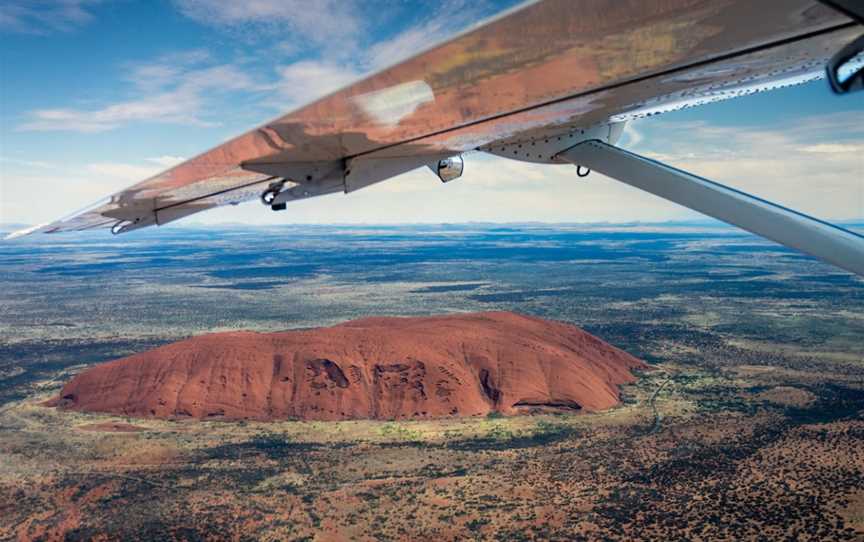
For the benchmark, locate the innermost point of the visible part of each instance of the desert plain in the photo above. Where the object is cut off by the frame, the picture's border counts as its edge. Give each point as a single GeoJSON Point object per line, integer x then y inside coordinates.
{"type": "Point", "coordinates": [749, 427]}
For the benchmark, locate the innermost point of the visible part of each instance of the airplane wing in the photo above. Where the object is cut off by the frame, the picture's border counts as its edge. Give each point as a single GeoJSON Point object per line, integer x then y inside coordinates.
{"type": "Point", "coordinates": [515, 86]}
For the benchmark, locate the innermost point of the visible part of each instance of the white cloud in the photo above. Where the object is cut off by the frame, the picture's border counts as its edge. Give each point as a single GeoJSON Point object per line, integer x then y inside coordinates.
{"type": "Point", "coordinates": [322, 22]}
{"type": "Point", "coordinates": [165, 70]}
{"type": "Point", "coordinates": [176, 107]}
{"type": "Point", "coordinates": [434, 30]}
{"type": "Point", "coordinates": [72, 191]}
{"type": "Point", "coordinates": [123, 172]}
{"type": "Point", "coordinates": [781, 164]}
{"type": "Point", "coordinates": [631, 137]}
{"type": "Point", "coordinates": [175, 94]}
{"type": "Point", "coordinates": [166, 161]}
{"type": "Point", "coordinates": [833, 148]}
{"type": "Point", "coordinates": [307, 80]}
{"type": "Point", "coordinates": [183, 87]}
{"type": "Point", "coordinates": [77, 187]}
{"type": "Point", "coordinates": [304, 81]}
{"type": "Point", "coordinates": [27, 163]}
{"type": "Point", "coordinates": [44, 16]}
{"type": "Point", "coordinates": [405, 44]}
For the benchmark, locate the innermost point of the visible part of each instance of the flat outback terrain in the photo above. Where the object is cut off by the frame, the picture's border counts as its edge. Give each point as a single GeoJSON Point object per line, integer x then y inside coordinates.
{"type": "Point", "coordinates": [748, 424]}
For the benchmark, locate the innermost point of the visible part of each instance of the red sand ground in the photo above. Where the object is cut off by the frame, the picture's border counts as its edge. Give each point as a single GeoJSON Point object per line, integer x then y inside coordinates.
{"type": "Point", "coordinates": [383, 368]}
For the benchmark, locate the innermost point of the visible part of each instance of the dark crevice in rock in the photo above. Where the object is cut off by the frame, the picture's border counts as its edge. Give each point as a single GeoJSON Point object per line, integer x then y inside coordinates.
{"type": "Point", "coordinates": [277, 365]}
{"type": "Point", "coordinates": [334, 373]}
{"type": "Point", "coordinates": [493, 393]}
{"type": "Point", "coordinates": [568, 405]}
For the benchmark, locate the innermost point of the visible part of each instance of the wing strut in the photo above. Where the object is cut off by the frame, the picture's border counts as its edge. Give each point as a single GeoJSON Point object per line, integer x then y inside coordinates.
{"type": "Point", "coordinates": [823, 240]}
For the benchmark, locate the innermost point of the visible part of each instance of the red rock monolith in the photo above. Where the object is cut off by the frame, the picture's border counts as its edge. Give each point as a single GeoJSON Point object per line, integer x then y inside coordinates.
{"type": "Point", "coordinates": [380, 368]}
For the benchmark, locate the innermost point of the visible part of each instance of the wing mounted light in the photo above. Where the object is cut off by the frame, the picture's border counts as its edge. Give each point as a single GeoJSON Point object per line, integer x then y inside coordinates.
{"type": "Point", "coordinates": [448, 169]}
{"type": "Point", "coordinates": [845, 70]}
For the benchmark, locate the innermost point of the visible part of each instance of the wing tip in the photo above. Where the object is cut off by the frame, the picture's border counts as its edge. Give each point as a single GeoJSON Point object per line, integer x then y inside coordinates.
{"type": "Point", "coordinates": [26, 231]}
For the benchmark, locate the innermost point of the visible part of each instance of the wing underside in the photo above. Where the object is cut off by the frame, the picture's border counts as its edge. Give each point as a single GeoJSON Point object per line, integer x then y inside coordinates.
{"type": "Point", "coordinates": [545, 69]}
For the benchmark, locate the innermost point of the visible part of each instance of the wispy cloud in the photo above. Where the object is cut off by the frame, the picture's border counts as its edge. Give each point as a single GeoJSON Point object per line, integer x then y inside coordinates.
{"type": "Point", "coordinates": [303, 82]}
{"type": "Point", "coordinates": [321, 22]}
{"type": "Point", "coordinates": [165, 70]}
{"type": "Point", "coordinates": [460, 14]}
{"type": "Point", "coordinates": [72, 186]}
{"type": "Point", "coordinates": [185, 87]}
{"type": "Point", "coordinates": [631, 137]}
{"type": "Point", "coordinates": [26, 163]}
{"type": "Point", "coordinates": [175, 89]}
{"type": "Point", "coordinates": [781, 163]}
{"type": "Point", "coordinates": [834, 148]}
{"type": "Point", "coordinates": [123, 172]}
{"type": "Point", "coordinates": [166, 161]}
{"type": "Point", "coordinates": [44, 16]}
{"type": "Point", "coordinates": [169, 107]}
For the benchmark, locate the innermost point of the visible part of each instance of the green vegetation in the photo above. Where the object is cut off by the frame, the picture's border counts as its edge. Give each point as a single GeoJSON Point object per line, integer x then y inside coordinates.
{"type": "Point", "coordinates": [400, 432]}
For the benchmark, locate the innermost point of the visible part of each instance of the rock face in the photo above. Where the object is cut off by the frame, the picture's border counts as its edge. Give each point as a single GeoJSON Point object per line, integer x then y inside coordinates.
{"type": "Point", "coordinates": [382, 368]}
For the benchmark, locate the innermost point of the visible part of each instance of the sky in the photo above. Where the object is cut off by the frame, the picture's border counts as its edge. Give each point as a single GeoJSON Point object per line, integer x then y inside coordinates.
{"type": "Point", "coordinates": [96, 95]}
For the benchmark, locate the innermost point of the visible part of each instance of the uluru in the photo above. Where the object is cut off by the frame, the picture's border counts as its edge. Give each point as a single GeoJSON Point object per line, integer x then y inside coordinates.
{"type": "Point", "coordinates": [378, 368]}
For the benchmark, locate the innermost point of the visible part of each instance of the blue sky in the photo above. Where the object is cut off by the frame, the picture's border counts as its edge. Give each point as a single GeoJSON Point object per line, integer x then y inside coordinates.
{"type": "Point", "coordinates": [95, 95]}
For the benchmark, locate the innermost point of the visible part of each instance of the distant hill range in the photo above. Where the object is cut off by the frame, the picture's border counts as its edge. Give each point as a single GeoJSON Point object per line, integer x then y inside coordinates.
{"type": "Point", "coordinates": [381, 368]}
